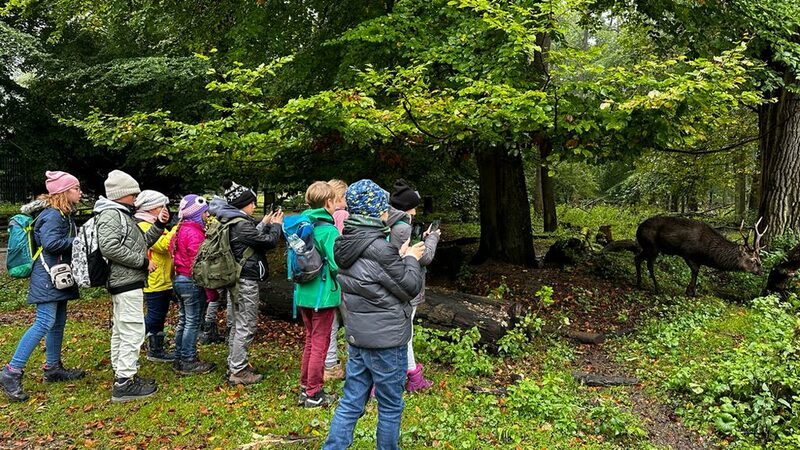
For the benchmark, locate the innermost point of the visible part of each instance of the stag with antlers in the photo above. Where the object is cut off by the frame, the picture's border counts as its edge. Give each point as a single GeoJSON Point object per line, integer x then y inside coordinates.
{"type": "Point", "coordinates": [698, 244]}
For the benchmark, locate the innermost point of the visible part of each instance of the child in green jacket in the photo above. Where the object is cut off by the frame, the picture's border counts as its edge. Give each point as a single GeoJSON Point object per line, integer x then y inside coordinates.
{"type": "Point", "coordinates": [318, 299]}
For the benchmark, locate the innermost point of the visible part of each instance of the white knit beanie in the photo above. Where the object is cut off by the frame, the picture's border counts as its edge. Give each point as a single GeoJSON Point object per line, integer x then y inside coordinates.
{"type": "Point", "coordinates": [119, 184]}
{"type": "Point", "coordinates": [147, 200]}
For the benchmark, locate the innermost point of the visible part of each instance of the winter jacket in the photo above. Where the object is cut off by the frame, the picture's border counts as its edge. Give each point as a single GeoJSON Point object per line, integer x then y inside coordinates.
{"type": "Point", "coordinates": [400, 224]}
{"type": "Point", "coordinates": [160, 279]}
{"type": "Point", "coordinates": [54, 232]}
{"type": "Point", "coordinates": [124, 244]}
{"type": "Point", "coordinates": [317, 293]}
{"type": "Point", "coordinates": [185, 244]}
{"type": "Point", "coordinates": [377, 283]}
{"type": "Point", "coordinates": [250, 233]}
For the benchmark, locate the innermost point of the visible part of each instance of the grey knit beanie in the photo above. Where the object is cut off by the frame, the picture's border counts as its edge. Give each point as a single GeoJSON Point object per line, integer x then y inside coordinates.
{"type": "Point", "coordinates": [119, 184]}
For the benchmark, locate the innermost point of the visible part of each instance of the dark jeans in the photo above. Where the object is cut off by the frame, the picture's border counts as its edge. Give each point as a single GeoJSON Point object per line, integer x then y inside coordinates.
{"type": "Point", "coordinates": [317, 337]}
{"type": "Point", "coordinates": [191, 298]}
{"type": "Point", "coordinates": [157, 309]}
{"type": "Point", "coordinates": [51, 317]}
{"type": "Point", "coordinates": [386, 369]}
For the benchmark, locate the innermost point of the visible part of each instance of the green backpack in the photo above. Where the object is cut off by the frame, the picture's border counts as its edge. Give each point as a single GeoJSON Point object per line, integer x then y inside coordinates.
{"type": "Point", "coordinates": [215, 266]}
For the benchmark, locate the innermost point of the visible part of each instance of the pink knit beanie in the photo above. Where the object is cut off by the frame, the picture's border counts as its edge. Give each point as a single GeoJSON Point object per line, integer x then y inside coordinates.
{"type": "Point", "coordinates": [58, 182]}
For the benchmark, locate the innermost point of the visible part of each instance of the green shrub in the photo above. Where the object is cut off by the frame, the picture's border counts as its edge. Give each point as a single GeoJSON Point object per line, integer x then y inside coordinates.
{"type": "Point", "coordinates": [456, 347]}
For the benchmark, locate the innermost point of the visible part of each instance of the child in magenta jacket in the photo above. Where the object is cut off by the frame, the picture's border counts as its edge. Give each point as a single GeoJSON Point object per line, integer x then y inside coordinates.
{"type": "Point", "coordinates": [191, 231]}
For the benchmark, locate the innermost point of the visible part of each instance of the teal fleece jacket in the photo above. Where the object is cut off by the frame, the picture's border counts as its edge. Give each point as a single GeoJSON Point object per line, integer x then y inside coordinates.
{"type": "Point", "coordinates": [325, 234]}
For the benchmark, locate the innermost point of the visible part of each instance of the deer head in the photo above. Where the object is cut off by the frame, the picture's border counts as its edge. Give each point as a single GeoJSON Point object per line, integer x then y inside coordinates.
{"type": "Point", "coordinates": [750, 257]}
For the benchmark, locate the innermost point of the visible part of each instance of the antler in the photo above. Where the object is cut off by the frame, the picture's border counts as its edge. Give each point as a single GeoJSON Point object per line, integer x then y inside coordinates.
{"type": "Point", "coordinates": [759, 235]}
{"type": "Point", "coordinates": [744, 236]}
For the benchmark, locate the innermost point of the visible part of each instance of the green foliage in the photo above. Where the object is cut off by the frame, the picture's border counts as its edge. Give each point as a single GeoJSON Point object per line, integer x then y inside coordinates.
{"type": "Point", "coordinates": [455, 347]}
{"type": "Point", "coordinates": [516, 340]}
{"type": "Point", "coordinates": [734, 370]}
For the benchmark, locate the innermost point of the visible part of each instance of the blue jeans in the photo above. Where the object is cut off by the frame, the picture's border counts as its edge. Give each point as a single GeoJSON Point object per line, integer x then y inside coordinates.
{"type": "Point", "coordinates": [49, 324]}
{"type": "Point", "coordinates": [386, 369]}
{"type": "Point", "coordinates": [190, 315]}
{"type": "Point", "coordinates": [157, 309]}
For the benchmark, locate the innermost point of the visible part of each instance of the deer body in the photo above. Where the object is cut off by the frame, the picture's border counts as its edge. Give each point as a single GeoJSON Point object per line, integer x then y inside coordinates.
{"type": "Point", "coordinates": [697, 243]}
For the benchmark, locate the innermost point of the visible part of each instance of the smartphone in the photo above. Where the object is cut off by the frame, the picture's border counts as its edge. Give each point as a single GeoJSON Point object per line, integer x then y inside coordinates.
{"type": "Point", "coordinates": [416, 233]}
{"type": "Point", "coordinates": [269, 208]}
{"type": "Point", "coordinates": [435, 225]}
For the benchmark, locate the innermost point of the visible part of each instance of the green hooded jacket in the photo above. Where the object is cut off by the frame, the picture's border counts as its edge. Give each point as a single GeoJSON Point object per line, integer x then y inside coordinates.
{"type": "Point", "coordinates": [315, 294]}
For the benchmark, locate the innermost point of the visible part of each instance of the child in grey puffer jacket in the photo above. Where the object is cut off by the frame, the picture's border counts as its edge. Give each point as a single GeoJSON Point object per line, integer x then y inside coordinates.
{"type": "Point", "coordinates": [404, 202]}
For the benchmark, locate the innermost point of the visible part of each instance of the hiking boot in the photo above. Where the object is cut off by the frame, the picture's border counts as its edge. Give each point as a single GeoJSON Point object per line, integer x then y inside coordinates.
{"type": "Point", "coordinates": [333, 373]}
{"type": "Point", "coordinates": [319, 400]}
{"type": "Point", "coordinates": [416, 382]}
{"type": "Point", "coordinates": [244, 377]}
{"type": "Point", "coordinates": [302, 397]}
{"type": "Point", "coordinates": [195, 367]}
{"type": "Point", "coordinates": [11, 380]}
{"type": "Point", "coordinates": [155, 349]}
{"type": "Point", "coordinates": [134, 388]}
{"type": "Point", "coordinates": [206, 335]}
{"type": "Point", "coordinates": [60, 373]}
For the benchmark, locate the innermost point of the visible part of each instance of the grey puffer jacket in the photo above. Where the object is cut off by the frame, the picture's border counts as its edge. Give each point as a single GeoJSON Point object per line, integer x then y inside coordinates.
{"type": "Point", "coordinates": [377, 285]}
{"type": "Point", "coordinates": [124, 244]}
{"type": "Point", "coordinates": [400, 224]}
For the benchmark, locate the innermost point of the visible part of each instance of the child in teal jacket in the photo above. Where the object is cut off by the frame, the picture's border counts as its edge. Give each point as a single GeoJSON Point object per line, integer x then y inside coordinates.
{"type": "Point", "coordinates": [318, 299]}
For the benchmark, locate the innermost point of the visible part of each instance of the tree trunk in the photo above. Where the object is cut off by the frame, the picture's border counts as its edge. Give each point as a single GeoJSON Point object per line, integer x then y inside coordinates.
{"type": "Point", "coordinates": [549, 216]}
{"type": "Point", "coordinates": [741, 188]}
{"type": "Point", "coordinates": [538, 204]}
{"type": "Point", "coordinates": [779, 126]}
{"type": "Point", "coordinates": [505, 213]}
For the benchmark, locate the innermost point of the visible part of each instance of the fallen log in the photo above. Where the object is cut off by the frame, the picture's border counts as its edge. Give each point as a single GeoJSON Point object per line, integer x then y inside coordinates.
{"type": "Point", "coordinates": [443, 310]}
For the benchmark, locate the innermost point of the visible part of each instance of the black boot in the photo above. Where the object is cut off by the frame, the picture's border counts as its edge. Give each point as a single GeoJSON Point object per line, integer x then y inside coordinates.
{"type": "Point", "coordinates": [12, 385]}
{"type": "Point", "coordinates": [217, 337]}
{"type": "Point", "coordinates": [60, 373]}
{"type": "Point", "coordinates": [205, 333]}
{"type": "Point", "coordinates": [155, 349]}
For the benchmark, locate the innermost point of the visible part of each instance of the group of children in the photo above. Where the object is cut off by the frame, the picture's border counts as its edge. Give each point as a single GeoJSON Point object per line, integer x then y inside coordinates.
{"type": "Point", "coordinates": [372, 280]}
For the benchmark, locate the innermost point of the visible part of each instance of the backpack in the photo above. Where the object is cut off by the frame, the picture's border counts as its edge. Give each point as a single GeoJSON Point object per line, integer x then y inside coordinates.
{"type": "Point", "coordinates": [304, 263]}
{"type": "Point", "coordinates": [21, 256]}
{"type": "Point", "coordinates": [89, 267]}
{"type": "Point", "coordinates": [215, 266]}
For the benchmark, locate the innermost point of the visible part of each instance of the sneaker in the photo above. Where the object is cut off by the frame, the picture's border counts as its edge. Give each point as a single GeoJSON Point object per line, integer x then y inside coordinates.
{"type": "Point", "coordinates": [333, 373]}
{"type": "Point", "coordinates": [127, 389]}
{"type": "Point", "coordinates": [195, 367]}
{"type": "Point", "coordinates": [319, 400]}
{"type": "Point", "coordinates": [60, 373]}
{"type": "Point", "coordinates": [143, 380]}
{"type": "Point", "coordinates": [244, 377]}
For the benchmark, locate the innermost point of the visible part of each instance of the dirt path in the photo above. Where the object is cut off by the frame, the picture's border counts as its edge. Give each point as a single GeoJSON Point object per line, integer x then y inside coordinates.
{"type": "Point", "coordinates": [663, 427]}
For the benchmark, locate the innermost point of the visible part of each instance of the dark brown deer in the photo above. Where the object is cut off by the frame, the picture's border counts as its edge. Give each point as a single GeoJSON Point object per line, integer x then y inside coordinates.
{"type": "Point", "coordinates": [698, 244]}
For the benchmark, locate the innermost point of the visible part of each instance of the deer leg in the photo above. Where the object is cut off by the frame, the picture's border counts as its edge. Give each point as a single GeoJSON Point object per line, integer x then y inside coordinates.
{"type": "Point", "coordinates": [691, 290]}
{"type": "Point", "coordinates": [651, 269]}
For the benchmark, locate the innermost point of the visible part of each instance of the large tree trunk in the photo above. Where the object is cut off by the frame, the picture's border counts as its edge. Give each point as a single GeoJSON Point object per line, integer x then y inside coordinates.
{"type": "Point", "coordinates": [505, 213]}
{"type": "Point", "coordinates": [741, 189]}
{"type": "Point", "coordinates": [779, 126]}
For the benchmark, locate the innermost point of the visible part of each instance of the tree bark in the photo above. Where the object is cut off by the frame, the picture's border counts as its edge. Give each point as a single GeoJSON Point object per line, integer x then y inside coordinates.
{"type": "Point", "coordinates": [538, 205]}
{"type": "Point", "coordinates": [549, 216]}
{"type": "Point", "coordinates": [779, 126]}
{"type": "Point", "coordinates": [506, 232]}
{"type": "Point", "coordinates": [741, 189]}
